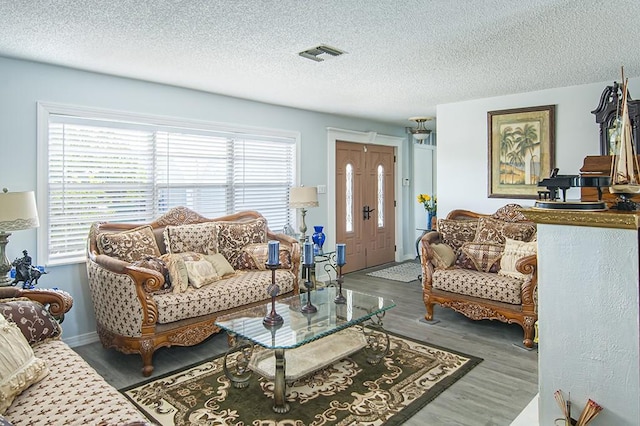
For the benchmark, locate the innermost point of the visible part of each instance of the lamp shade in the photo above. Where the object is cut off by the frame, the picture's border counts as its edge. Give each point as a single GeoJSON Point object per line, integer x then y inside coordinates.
{"type": "Point", "coordinates": [18, 211]}
{"type": "Point", "coordinates": [303, 196]}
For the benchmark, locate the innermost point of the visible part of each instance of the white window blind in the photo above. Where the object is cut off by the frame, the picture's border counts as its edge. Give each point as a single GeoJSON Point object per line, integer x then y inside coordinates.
{"type": "Point", "coordinates": [133, 171]}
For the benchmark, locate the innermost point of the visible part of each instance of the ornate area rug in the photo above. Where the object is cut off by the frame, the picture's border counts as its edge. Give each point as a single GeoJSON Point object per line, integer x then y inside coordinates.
{"type": "Point", "coordinates": [405, 272]}
{"type": "Point", "coordinates": [348, 392]}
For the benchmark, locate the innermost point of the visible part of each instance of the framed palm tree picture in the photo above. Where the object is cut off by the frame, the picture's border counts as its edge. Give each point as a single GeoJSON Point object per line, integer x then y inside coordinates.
{"type": "Point", "coordinates": [521, 150]}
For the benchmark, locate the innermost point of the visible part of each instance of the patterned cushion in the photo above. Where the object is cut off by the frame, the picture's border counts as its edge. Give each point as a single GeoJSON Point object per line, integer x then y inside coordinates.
{"type": "Point", "coordinates": [34, 320]}
{"type": "Point", "coordinates": [233, 236]}
{"type": "Point", "coordinates": [72, 394]}
{"type": "Point", "coordinates": [19, 368]}
{"type": "Point", "coordinates": [479, 284]}
{"type": "Point", "coordinates": [443, 256]}
{"type": "Point", "coordinates": [177, 268]}
{"type": "Point", "coordinates": [158, 265]}
{"type": "Point", "coordinates": [496, 231]}
{"type": "Point", "coordinates": [484, 256]}
{"type": "Point", "coordinates": [457, 232]}
{"type": "Point", "coordinates": [201, 272]}
{"type": "Point", "coordinates": [222, 267]}
{"type": "Point", "coordinates": [132, 245]}
{"type": "Point", "coordinates": [197, 237]}
{"type": "Point", "coordinates": [514, 251]}
{"type": "Point", "coordinates": [254, 256]}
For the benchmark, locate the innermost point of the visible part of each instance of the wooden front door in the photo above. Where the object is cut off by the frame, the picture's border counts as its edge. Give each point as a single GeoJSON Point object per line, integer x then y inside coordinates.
{"type": "Point", "coordinates": [365, 203]}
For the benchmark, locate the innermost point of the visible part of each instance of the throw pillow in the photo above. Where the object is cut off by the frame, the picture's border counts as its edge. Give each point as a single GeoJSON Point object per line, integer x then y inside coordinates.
{"type": "Point", "coordinates": [233, 236]}
{"type": "Point", "coordinates": [496, 231]}
{"type": "Point", "coordinates": [19, 368]}
{"type": "Point", "coordinates": [513, 251]}
{"type": "Point", "coordinates": [131, 245]}
{"type": "Point", "coordinates": [443, 256]}
{"type": "Point", "coordinates": [254, 256]}
{"type": "Point", "coordinates": [484, 256]}
{"type": "Point", "coordinates": [178, 274]}
{"type": "Point", "coordinates": [454, 233]}
{"type": "Point", "coordinates": [222, 266]}
{"type": "Point", "coordinates": [197, 237]}
{"type": "Point", "coordinates": [158, 265]}
{"type": "Point", "coordinates": [34, 320]}
{"type": "Point", "coordinates": [201, 272]}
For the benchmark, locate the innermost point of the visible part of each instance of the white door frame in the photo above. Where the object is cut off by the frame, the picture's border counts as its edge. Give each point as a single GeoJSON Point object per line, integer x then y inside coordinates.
{"type": "Point", "coordinates": [372, 138]}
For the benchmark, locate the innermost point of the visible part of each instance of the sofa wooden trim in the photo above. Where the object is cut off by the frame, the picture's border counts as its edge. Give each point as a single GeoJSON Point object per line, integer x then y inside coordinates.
{"type": "Point", "coordinates": [57, 302]}
{"type": "Point", "coordinates": [187, 332]}
{"type": "Point", "coordinates": [476, 308]}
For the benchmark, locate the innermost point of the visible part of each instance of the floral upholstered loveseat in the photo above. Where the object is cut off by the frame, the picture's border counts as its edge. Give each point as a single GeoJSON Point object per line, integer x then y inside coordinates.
{"type": "Point", "coordinates": [164, 283]}
{"type": "Point", "coordinates": [42, 380]}
{"type": "Point", "coordinates": [483, 266]}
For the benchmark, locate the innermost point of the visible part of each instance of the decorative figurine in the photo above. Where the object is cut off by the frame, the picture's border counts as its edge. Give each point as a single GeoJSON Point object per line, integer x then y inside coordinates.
{"type": "Point", "coordinates": [26, 272]}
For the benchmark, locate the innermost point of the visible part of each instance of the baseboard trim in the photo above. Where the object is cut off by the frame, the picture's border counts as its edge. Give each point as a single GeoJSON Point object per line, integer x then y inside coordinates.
{"type": "Point", "coordinates": [82, 339]}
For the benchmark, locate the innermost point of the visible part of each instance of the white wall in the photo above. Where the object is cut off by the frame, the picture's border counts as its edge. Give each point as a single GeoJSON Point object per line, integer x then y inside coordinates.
{"type": "Point", "coordinates": [588, 321]}
{"type": "Point", "coordinates": [462, 141]}
{"type": "Point", "coordinates": [23, 83]}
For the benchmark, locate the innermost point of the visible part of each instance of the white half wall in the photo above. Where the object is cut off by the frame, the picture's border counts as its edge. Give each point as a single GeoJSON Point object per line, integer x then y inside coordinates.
{"type": "Point", "coordinates": [589, 322]}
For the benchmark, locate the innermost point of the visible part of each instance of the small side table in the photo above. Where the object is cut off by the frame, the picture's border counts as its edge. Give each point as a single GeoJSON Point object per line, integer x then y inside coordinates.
{"type": "Point", "coordinates": [328, 261]}
{"type": "Point", "coordinates": [424, 231]}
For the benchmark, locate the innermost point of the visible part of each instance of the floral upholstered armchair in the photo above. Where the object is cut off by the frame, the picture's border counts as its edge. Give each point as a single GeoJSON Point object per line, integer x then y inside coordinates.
{"type": "Point", "coordinates": [483, 266]}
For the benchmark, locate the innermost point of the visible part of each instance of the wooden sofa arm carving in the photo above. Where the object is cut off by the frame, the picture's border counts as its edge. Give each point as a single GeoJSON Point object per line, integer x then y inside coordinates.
{"type": "Point", "coordinates": [144, 280]}
{"type": "Point", "coordinates": [57, 302]}
{"type": "Point", "coordinates": [529, 266]}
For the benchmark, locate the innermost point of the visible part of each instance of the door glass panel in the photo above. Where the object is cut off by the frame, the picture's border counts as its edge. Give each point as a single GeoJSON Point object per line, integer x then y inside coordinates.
{"type": "Point", "coordinates": [380, 196]}
{"type": "Point", "coordinates": [349, 198]}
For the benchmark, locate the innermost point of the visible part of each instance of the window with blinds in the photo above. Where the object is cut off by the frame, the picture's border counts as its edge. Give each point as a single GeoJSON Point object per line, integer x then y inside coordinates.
{"type": "Point", "coordinates": [124, 168]}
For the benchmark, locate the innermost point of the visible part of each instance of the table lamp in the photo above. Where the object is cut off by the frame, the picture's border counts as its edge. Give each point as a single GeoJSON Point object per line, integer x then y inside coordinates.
{"type": "Point", "coordinates": [17, 212]}
{"type": "Point", "coordinates": [299, 198]}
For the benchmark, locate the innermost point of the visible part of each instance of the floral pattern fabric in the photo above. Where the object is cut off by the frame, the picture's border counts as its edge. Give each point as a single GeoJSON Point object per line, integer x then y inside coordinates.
{"type": "Point", "coordinates": [479, 284]}
{"type": "Point", "coordinates": [130, 246]}
{"type": "Point", "coordinates": [496, 231]}
{"type": "Point", "coordinates": [241, 289]}
{"type": "Point", "coordinates": [197, 237]}
{"type": "Point", "coordinates": [34, 320]}
{"type": "Point", "coordinates": [233, 236]}
{"type": "Point", "coordinates": [73, 393]}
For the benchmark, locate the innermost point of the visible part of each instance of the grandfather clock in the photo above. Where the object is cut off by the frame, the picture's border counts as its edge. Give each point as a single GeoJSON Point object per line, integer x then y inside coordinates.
{"type": "Point", "coordinates": [607, 111]}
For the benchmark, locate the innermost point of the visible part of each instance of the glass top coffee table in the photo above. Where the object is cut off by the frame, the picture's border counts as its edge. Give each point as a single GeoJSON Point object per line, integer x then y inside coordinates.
{"type": "Point", "coordinates": [312, 340]}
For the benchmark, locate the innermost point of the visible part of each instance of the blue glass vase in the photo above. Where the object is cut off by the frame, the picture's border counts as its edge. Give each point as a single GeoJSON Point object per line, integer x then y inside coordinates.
{"type": "Point", "coordinates": [318, 238]}
{"type": "Point", "coordinates": [430, 216]}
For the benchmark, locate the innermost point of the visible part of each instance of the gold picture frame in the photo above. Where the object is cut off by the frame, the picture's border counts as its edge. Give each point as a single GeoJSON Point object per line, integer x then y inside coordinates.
{"type": "Point", "coordinates": [521, 150]}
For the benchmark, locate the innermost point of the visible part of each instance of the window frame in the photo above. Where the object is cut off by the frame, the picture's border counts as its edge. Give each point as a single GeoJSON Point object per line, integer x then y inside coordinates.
{"type": "Point", "coordinates": [46, 109]}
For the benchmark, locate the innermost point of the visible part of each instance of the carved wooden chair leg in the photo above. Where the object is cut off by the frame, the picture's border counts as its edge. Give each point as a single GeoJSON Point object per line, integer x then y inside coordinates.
{"type": "Point", "coordinates": [429, 315]}
{"type": "Point", "coordinates": [146, 351]}
{"type": "Point", "coordinates": [529, 331]}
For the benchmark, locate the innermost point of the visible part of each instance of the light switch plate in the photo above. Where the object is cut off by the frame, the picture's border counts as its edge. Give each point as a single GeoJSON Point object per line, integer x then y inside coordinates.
{"type": "Point", "coordinates": [322, 189]}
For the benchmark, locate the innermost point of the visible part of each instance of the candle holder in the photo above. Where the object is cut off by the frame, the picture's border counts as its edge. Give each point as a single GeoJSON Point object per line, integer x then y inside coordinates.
{"type": "Point", "coordinates": [340, 299]}
{"type": "Point", "coordinates": [273, 319]}
{"type": "Point", "coordinates": [308, 308]}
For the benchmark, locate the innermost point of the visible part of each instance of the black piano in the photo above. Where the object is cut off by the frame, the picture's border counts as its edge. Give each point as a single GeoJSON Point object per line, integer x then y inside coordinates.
{"type": "Point", "coordinates": [550, 197]}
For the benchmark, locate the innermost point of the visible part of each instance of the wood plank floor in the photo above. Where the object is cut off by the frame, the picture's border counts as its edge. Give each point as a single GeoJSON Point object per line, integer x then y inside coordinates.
{"type": "Point", "coordinates": [492, 394]}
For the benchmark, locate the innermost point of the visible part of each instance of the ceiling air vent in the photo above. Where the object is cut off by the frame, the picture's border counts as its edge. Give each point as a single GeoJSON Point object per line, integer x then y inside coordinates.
{"type": "Point", "coordinates": [315, 52]}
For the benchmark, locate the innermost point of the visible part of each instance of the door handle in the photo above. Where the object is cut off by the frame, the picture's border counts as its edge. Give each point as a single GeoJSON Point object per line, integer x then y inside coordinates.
{"type": "Point", "coordinates": [366, 213]}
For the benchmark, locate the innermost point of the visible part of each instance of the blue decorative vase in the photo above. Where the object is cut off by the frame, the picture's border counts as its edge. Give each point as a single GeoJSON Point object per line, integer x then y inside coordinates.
{"type": "Point", "coordinates": [318, 238]}
{"type": "Point", "coordinates": [430, 217]}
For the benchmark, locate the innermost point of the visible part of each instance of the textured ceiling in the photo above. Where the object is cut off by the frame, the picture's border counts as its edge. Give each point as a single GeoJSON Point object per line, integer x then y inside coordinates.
{"type": "Point", "coordinates": [404, 56]}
